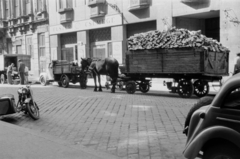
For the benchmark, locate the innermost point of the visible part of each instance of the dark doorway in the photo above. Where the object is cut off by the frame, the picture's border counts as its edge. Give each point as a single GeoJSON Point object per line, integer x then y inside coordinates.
{"type": "Point", "coordinates": [212, 29]}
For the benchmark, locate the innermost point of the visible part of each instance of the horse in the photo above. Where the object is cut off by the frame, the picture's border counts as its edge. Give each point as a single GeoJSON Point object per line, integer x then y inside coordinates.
{"type": "Point", "coordinates": [108, 66]}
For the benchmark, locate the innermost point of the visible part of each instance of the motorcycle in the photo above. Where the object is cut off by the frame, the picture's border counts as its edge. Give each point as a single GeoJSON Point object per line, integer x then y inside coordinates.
{"type": "Point", "coordinates": [26, 103]}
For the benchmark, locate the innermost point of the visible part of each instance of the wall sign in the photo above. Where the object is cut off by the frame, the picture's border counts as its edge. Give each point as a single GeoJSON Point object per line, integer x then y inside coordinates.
{"type": "Point", "coordinates": [99, 22]}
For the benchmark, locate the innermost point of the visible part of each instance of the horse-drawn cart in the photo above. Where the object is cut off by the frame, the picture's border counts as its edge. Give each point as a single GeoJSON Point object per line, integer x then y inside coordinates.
{"type": "Point", "coordinates": [64, 72]}
{"type": "Point", "coordinates": [191, 69]}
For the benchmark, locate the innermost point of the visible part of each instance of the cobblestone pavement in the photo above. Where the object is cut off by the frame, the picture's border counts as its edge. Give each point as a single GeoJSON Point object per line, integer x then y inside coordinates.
{"type": "Point", "coordinates": [141, 126]}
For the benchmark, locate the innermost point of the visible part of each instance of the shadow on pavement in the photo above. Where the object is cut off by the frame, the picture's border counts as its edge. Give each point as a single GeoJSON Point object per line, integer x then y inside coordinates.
{"type": "Point", "coordinates": [9, 119]}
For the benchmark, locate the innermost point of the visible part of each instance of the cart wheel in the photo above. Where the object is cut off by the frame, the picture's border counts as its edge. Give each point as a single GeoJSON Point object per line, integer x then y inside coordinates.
{"type": "Point", "coordinates": [201, 88]}
{"type": "Point", "coordinates": [144, 87]}
{"type": "Point", "coordinates": [83, 82]}
{"type": "Point", "coordinates": [185, 88]}
{"type": "Point", "coordinates": [43, 81]}
{"type": "Point", "coordinates": [120, 85]}
{"type": "Point", "coordinates": [130, 87]}
{"type": "Point", "coordinates": [65, 81]}
{"type": "Point", "coordinates": [2, 79]}
{"type": "Point", "coordinates": [59, 84]}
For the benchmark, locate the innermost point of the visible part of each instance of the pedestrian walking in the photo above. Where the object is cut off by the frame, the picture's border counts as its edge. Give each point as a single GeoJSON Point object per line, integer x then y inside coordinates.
{"type": "Point", "coordinates": [9, 73]}
{"type": "Point", "coordinates": [26, 74]}
{"type": "Point", "coordinates": [21, 71]}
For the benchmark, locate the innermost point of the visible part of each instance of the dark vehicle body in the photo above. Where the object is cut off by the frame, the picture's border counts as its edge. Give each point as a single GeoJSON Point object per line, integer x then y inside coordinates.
{"type": "Point", "coordinates": [214, 129]}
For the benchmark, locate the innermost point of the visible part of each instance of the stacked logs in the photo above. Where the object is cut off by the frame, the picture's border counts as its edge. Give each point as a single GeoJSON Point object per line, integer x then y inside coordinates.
{"type": "Point", "coordinates": [174, 38]}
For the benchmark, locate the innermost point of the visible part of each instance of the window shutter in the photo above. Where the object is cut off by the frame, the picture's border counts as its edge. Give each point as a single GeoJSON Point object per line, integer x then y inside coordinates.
{"type": "Point", "coordinates": [31, 51]}
{"type": "Point", "coordinates": [69, 4]}
{"type": "Point", "coordinates": [29, 6]}
{"type": "Point", "coordinates": [11, 7]}
{"type": "Point", "coordinates": [17, 8]}
{"type": "Point", "coordinates": [43, 5]}
{"type": "Point", "coordinates": [39, 6]}
{"type": "Point", "coordinates": [6, 12]}
{"type": "Point", "coordinates": [24, 7]}
{"type": "Point", "coordinates": [35, 6]}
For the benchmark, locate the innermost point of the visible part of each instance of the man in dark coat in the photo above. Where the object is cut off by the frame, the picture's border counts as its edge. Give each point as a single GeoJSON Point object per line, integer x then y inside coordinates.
{"type": "Point", "coordinates": [21, 71]}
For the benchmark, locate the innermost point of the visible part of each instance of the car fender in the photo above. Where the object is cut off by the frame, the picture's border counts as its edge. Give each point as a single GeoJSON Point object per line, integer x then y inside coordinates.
{"type": "Point", "coordinates": [198, 142]}
{"type": "Point", "coordinates": [44, 74]}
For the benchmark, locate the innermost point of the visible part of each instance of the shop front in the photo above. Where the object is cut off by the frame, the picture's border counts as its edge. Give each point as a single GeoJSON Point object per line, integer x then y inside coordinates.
{"type": "Point", "coordinates": [99, 41]}
{"type": "Point", "coordinates": [88, 38]}
{"type": "Point", "coordinates": [69, 47]}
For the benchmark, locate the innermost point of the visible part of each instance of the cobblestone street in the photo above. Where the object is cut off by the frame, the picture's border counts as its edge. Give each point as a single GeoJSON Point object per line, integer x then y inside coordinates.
{"type": "Point", "coordinates": [129, 126]}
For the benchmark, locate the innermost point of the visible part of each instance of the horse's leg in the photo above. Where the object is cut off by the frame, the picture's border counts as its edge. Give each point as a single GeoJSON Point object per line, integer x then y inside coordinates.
{"type": "Point", "coordinates": [114, 82]}
{"type": "Point", "coordinates": [95, 82]}
{"type": "Point", "coordinates": [99, 82]}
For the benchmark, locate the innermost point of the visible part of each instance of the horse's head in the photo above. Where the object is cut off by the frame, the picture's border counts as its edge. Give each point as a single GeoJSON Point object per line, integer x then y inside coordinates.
{"type": "Point", "coordinates": [86, 63]}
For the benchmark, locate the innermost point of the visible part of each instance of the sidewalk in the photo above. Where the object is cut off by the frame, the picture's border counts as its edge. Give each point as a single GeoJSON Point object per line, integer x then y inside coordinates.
{"type": "Point", "coordinates": [22, 143]}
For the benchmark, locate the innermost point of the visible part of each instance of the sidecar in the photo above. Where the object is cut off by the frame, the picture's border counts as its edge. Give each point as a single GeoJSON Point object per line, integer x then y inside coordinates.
{"type": "Point", "coordinates": [7, 104]}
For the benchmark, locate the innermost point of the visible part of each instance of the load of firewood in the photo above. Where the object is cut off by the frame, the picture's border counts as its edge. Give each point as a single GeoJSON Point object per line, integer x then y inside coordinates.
{"type": "Point", "coordinates": [174, 38]}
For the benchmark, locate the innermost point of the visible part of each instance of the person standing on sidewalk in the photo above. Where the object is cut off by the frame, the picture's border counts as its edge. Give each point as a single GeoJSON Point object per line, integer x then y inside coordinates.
{"type": "Point", "coordinates": [21, 71]}
{"type": "Point", "coordinates": [26, 74]}
{"type": "Point", "coordinates": [9, 73]}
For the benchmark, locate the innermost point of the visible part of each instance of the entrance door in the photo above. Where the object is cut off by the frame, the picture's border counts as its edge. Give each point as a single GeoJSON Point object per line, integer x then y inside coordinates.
{"type": "Point", "coordinates": [68, 54]}
{"type": "Point", "coordinates": [99, 50]}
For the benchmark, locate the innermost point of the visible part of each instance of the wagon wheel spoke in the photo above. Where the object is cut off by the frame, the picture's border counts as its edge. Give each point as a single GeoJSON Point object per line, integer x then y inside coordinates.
{"type": "Point", "coordinates": [185, 88]}
{"type": "Point", "coordinates": [201, 88]}
{"type": "Point", "coordinates": [130, 87]}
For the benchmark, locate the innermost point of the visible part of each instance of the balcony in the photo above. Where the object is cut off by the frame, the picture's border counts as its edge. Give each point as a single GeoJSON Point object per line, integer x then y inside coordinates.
{"type": "Point", "coordinates": [95, 2]}
{"type": "Point", "coordinates": [138, 4]}
{"type": "Point", "coordinates": [66, 15]}
{"type": "Point", "coordinates": [189, 1]}
{"type": "Point", "coordinates": [97, 11]}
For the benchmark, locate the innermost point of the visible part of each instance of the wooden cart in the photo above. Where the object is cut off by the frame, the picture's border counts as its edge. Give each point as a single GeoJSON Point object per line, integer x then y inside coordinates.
{"type": "Point", "coordinates": [64, 72]}
{"type": "Point", "coordinates": [190, 68]}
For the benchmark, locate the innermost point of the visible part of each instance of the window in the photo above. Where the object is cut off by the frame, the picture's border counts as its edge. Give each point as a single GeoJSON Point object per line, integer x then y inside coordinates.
{"type": "Point", "coordinates": [6, 9]}
{"type": "Point", "coordinates": [42, 66]}
{"type": "Point", "coordinates": [65, 4]}
{"type": "Point", "coordinates": [28, 7]}
{"type": "Point", "coordinates": [29, 46]}
{"type": "Point", "coordinates": [26, 60]}
{"type": "Point", "coordinates": [39, 5]}
{"type": "Point", "coordinates": [41, 45]}
{"type": "Point", "coordinates": [19, 49]}
{"type": "Point", "coordinates": [16, 8]}
{"type": "Point", "coordinates": [138, 4]}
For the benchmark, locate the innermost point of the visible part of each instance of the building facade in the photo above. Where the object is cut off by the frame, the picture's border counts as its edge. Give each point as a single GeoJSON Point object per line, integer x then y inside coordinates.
{"type": "Point", "coordinates": [46, 30]}
{"type": "Point", "coordinates": [100, 28]}
{"type": "Point", "coordinates": [24, 28]}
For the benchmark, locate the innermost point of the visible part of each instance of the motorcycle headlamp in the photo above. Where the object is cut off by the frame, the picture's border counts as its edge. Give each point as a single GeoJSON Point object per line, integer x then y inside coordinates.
{"type": "Point", "coordinates": [24, 91]}
{"type": "Point", "coordinates": [19, 91]}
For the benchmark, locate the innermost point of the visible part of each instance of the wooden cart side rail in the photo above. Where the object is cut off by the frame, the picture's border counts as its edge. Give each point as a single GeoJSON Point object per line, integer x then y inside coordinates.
{"type": "Point", "coordinates": [177, 61]}
{"type": "Point", "coordinates": [208, 77]}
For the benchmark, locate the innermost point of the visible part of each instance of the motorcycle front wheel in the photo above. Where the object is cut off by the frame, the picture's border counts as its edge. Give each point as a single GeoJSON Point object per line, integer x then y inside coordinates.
{"type": "Point", "coordinates": [33, 110]}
